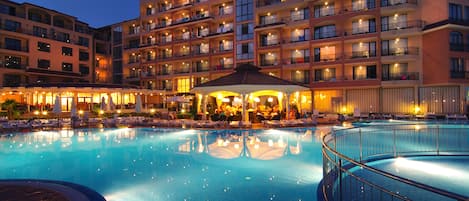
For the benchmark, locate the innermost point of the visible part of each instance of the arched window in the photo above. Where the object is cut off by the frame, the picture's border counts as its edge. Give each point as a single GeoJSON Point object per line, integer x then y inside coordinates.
{"type": "Point", "coordinates": [456, 41]}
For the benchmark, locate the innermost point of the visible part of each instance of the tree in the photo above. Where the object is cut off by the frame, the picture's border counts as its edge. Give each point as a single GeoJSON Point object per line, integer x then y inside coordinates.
{"type": "Point", "coordinates": [10, 106]}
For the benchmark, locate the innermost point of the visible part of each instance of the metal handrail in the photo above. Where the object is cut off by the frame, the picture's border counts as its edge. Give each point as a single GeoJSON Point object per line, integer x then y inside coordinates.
{"type": "Point", "coordinates": [419, 185]}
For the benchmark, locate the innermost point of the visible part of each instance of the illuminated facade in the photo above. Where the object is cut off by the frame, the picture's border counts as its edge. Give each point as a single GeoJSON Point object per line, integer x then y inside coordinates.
{"type": "Point", "coordinates": [388, 56]}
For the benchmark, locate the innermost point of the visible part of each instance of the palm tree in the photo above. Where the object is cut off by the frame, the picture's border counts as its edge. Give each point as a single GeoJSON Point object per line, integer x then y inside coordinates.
{"type": "Point", "coordinates": [10, 106]}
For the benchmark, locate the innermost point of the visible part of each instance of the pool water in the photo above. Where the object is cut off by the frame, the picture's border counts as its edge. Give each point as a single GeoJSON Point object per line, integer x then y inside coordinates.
{"type": "Point", "coordinates": [134, 164]}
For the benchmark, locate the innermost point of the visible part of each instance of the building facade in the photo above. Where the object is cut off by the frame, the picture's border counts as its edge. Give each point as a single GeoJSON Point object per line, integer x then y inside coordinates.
{"type": "Point", "coordinates": [388, 56]}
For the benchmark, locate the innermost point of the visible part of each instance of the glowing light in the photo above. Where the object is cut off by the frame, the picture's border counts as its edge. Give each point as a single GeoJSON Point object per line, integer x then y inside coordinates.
{"type": "Point", "coordinates": [118, 111]}
{"type": "Point", "coordinates": [257, 99]}
{"type": "Point", "coordinates": [271, 143]}
{"type": "Point", "coordinates": [36, 112]}
{"type": "Point", "coordinates": [270, 99]}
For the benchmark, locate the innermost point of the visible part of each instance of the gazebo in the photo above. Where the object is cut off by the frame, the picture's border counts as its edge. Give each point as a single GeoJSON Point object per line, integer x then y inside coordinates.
{"type": "Point", "coordinates": [247, 81]}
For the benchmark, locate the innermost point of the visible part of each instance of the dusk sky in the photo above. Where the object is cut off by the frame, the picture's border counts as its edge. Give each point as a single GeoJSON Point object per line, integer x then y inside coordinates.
{"type": "Point", "coordinates": [96, 13]}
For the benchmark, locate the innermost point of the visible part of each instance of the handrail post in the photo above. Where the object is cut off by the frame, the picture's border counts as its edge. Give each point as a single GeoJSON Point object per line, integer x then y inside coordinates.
{"type": "Point", "coordinates": [394, 141]}
{"type": "Point", "coordinates": [340, 179]}
{"type": "Point", "coordinates": [361, 146]}
{"type": "Point", "coordinates": [437, 140]}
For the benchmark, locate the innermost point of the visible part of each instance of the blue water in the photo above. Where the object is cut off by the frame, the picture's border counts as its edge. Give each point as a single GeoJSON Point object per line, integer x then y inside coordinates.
{"type": "Point", "coordinates": [135, 164]}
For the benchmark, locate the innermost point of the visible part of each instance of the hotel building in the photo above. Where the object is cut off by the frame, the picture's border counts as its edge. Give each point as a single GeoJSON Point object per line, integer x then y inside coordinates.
{"type": "Point", "coordinates": [388, 56]}
{"type": "Point", "coordinates": [45, 53]}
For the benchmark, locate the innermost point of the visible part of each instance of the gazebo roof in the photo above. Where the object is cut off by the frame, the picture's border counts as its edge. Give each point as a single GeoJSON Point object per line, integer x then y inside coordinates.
{"type": "Point", "coordinates": [247, 78]}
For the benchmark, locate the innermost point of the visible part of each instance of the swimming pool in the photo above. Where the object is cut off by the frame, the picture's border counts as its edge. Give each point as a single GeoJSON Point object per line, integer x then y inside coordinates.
{"type": "Point", "coordinates": [135, 164]}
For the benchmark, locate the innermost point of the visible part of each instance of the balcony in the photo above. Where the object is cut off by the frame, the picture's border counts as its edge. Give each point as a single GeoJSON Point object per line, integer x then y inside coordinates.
{"type": "Point", "coordinates": [269, 43]}
{"type": "Point", "coordinates": [360, 54]}
{"type": "Point", "coordinates": [269, 22]}
{"type": "Point", "coordinates": [165, 72]}
{"type": "Point", "coordinates": [459, 75]}
{"type": "Point", "coordinates": [165, 56]}
{"type": "Point", "coordinates": [326, 57]}
{"type": "Point", "coordinates": [13, 66]}
{"type": "Point", "coordinates": [327, 79]}
{"type": "Point", "coordinates": [403, 28]}
{"type": "Point", "coordinates": [360, 31]}
{"type": "Point", "coordinates": [326, 35]}
{"type": "Point", "coordinates": [262, 3]}
{"type": "Point", "coordinates": [221, 67]}
{"type": "Point", "coordinates": [222, 49]}
{"type": "Point", "coordinates": [296, 60]}
{"type": "Point", "coordinates": [401, 76]}
{"type": "Point", "coordinates": [132, 61]}
{"type": "Point", "coordinates": [267, 63]}
{"type": "Point", "coordinates": [131, 78]}
{"type": "Point", "coordinates": [358, 7]}
{"type": "Point", "coordinates": [400, 51]}
{"type": "Point", "coordinates": [182, 71]}
{"type": "Point", "coordinates": [200, 69]}
{"type": "Point", "coordinates": [14, 47]}
{"type": "Point", "coordinates": [392, 6]}
{"type": "Point", "coordinates": [131, 46]}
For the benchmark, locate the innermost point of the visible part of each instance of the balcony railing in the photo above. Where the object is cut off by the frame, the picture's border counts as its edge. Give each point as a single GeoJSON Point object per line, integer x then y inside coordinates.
{"type": "Point", "coordinates": [388, 3]}
{"type": "Point", "coordinates": [165, 72]}
{"type": "Point", "coordinates": [262, 3]}
{"type": "Point", "coordinates": [182, 71]}
{"type": "Point", "coordinates": [326, 57]}
{"type": "Point", "coordinates": [269, 43]}
{"type": "Point", "coordinates": [14, 48]}
{"type": "Point", "coordinates": [200, 68]}
{"type": "Point", "coordinates": [361, 30]}
{"type": "Point", "coordinates": [459, 74]}
{"type": "Point", "coordinates": [361, 54]}
{"type": "Point", "coordinates": [13, 66]}
{"type": "Point", "coordinates": [401, 76]}
{"type": "Point", "coordinates": [223, 67]}
{"type": "Point", "coordinates": [402, 25]}
{"type": "Point", "coordinates": [331, 78]}
{"type": "Point", "coordinates": [296, 60]}
{"type": "Point", "coordinates": [132, 61]}
{"type": "Point", "coordinates": [459, 47]}
{"type": "Point", "coordinates": [222, 49]}
{"type": "Point", "coordinates": [400, 51]}
{"type": "Point", "coordinates": [356, 7]}
{"type": "Point", "coordinates": [326, 34]}
{"type": "Point", "coordinates": [147, 74]}
{"type": "Point", "coordinates": [264, 62]}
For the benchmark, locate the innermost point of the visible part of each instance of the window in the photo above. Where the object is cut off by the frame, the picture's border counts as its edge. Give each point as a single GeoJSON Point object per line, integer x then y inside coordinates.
{"type": "Point", "coordinates": [358, 5]}
{"type": "Point", "coordinates": [117, 72]}
{"type": "Point", "coordinates": [397, 71]}
{"type": "Point", "coordinates": [363, 26]}
{"type": "Point", "coordinates": [299, 56]}
{"type": "Point", "coordinates": [466, 13]}
{"type": "Point", "coordinates": [327, 53]}
{"type": "Point", "coordinates": [245, 31]}
{"type": "Point", "coordinates": [40, 32]}
{"type": "Point", "coordinates": [67, 51]}
{"type": "Point", "coordinates": [455, 12]}
{"type": "Point", "coordinates": [364, 50]}
{"type": "Point", "coordinates": [300, 76]}
{"type": "Point", "coordinates": [299, 14]}
{"type": "Point", "coordinates": [11, 80]}
{"type": "Point", "coordinates": [395, 22]}
{"type": "Point", "coordinates": [83, 41]}
{"type": "Point", "coordinates": [327, 74]}
{"type": "Point", "coordinates": [11, 25]}
{"type": "Point", "coordinates": [324, 10]}
{"type": "Point", "coordinates": [457, 69]}
{"type": "Point", "coordinates": [244, 10]}
{"type": "Point", "coordinates": [43, 63]}
{"type": "Point", "coordinates": [394, 47]}
{"type": "Point", "coordinates": [245, 51]}
{"type": "Point", "coordinates": [364, 72]}
{"type": "Point", "coordinates": [84, 56]}
{"type": "Point", "coordinates": [43, 47]}
{"type": "Point", "coordinates": [84, 69]}
{"type": "Point", "coordinates": [117, 52]}
{"type": "Point", "coordinates": [64, 37]}
{"type": "Point", "coordinates": [456, 41]}
{"type": "Point", "coordinates": [150, 11]}
{"type": "Point", "coordinates": [117, 35]}
{"type": "Point", "coordinates": [298, 35]}
{"type": "Point", "coordinates": [67, 67]}
{"type": "Point", "coordinates": [327, 31]}
{"type": "Point", "coordinates": [9, 10]}
{"type": "Point", "coordinates": [13, 62]}
{"type": "Point", "coordinates": [13, 44]}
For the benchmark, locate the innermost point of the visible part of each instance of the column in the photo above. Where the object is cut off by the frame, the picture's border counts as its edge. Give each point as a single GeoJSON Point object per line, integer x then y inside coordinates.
{"type": "Point", "coordinates": [245, 117]}
{"type": "Point", "coordinates": [287, 106]}
{"type": "Point", "coordinates": [205, 100]}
